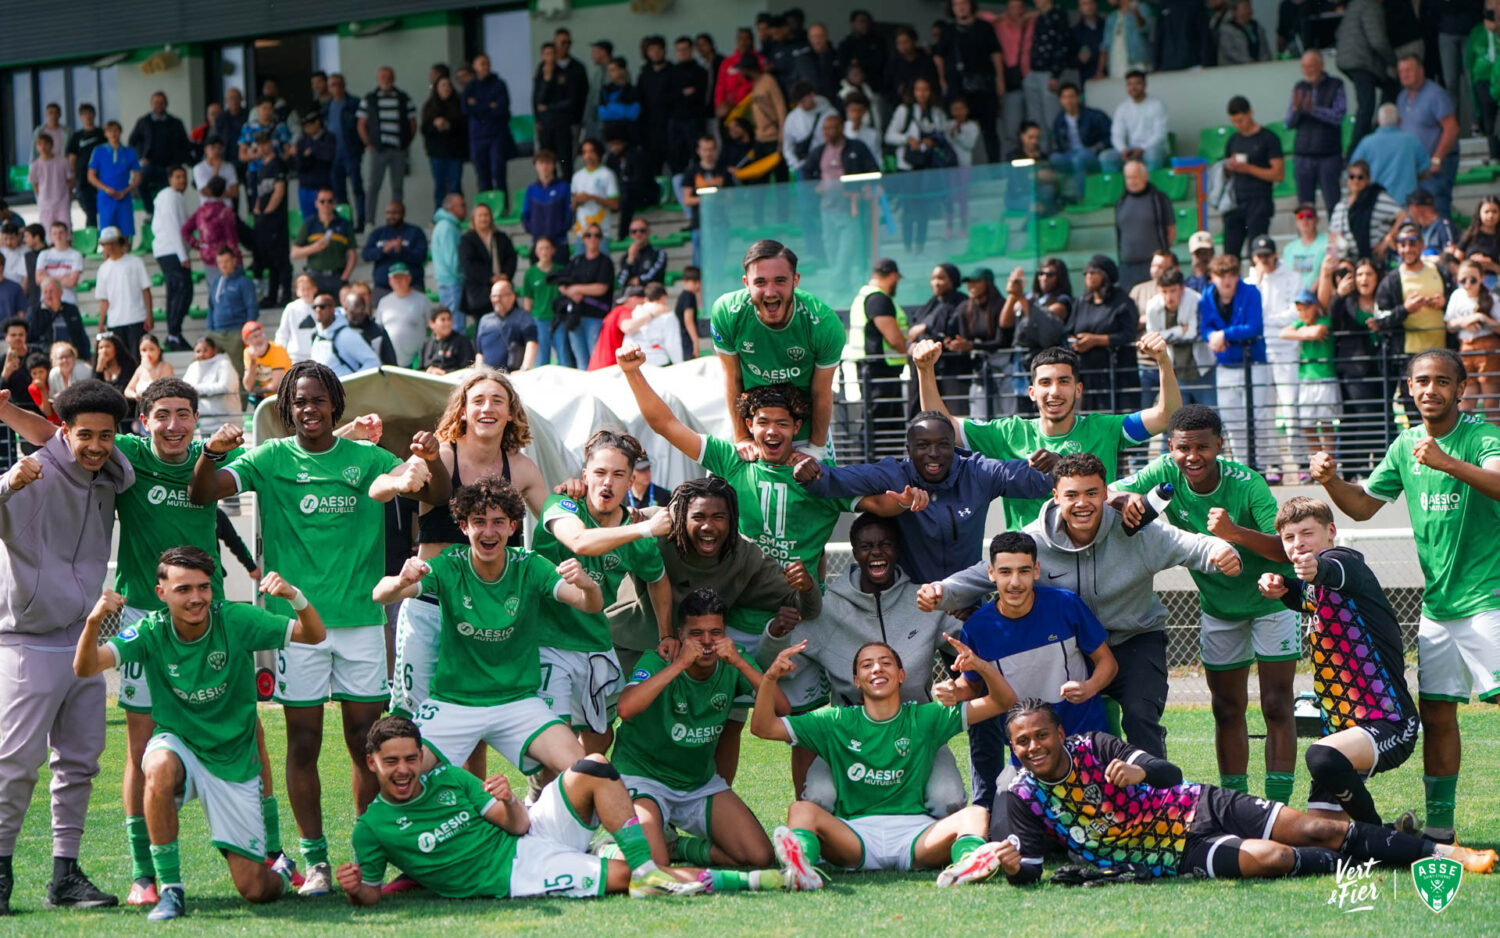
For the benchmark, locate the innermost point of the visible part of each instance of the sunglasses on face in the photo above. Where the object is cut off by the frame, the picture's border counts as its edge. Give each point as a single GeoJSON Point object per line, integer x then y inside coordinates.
{"type": "Point", "coordinates": [1358, 177]}
{"type": "Point", "coordinates": [1468, 281]}
{"type": "Point", "coordinates": [1306, 216]}
{"type": "Point", "coordinates": [1408, 240]}
{"type": "Point", "coordinates": [593, 234]}
{"type": "Point", "coordinates": [322, 306]}
{"type": "Point", "coordinates": [637, 231]}
{"type": "Point", "coordinates": [325, 201]}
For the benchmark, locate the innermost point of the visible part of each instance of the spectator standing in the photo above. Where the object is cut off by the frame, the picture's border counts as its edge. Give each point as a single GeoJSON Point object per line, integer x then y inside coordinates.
{"type": "Point", "coordinates": [315, 151]}
{"type": "Point", "coordinates": [1054, 60]}
{"type": "Point", "coordinates": [485, 254]}
{"type": "Point", "coordinates": [1015, 28]}
{"type": "Point", "coordinates": [547, 205]}
{"type": "Point", "coordinates": [600, 52]}
{"type": "Point", "coordinates": [642, 262]}
{"type": "Point", "coordinates": [854, 86]}
{"type": "Point", "coordinates": [1241, 38]}
{"type": "Point", "coordinates": [1088, 36]}
{"type": "Point", "coordinates": [228, 127]}
{"type": "Point", "coordinates": [1102, 330]}
{"type": "Point", "coordinates": [1279, 286]}
{"type": "Point", "coordinates": [800, 133]}
{"type": "Point", "coordinates": [1316, 113]}
{"type": "Point", "coordinates": [480, 126]}
{"type": "Point", "coordinates": [1173, 313]}
{"type": "Point", "coordinates": [342, 113]}
{"type": "Point", "coordinates": [124, 290]}
{"type": "Point", "coordinates": [269, 209]}
{"type": "Point", "coordinates": [910, 63]}
{"type": "Point", "coordinates": [1306, 252]}
{"type": "Point", "coordinates": [62, 263]}
{"type": "Point", "coordinates": [507, 336]}
{"type": "Point", "coordinates": [1471, 314]}
{"type": "Point", "coordinates": [446, 349]}
{"type": "Point", "coordinates": [1427, 112]}
{"type": "Point", "coordinates": [619, 103]}
{"type": "Point", "coordinates": [1229, 315]}
{"type": "Point", "coordinates": [538, 296]}
{"type": "Point", "coordinates": [1180, 28]}
{"type": "Point", "coordinates": [295, 331]}
{"type": "Point", "coordinates": [1079, 135]}
{"type": "Point", "coordinates": [820, 64]}
{"type": "Point", "coordinates": [840, 207]}
{"type": "Point", "coordinates": [231, 304]}
{"type": "Point", "coordinates": [211, 374]}
{"type": "Point", "coordinates": [446, 268]}
{"type": "Point", "coordinates": [575, 81]}
{"type": "Point", "coordinates": [387, 125]}
{"type": "Point", "coordinates": [1364, 223]}
{"type": "Point", "coordinates": [970, 63]}
{"type": "Point", "coordinates": [768, 113]}
{"type": "Point", "coordinates": [396, 242]}
{"type": "Point", "coordinates": [161, 142]}
{"type": "Point", "coordinates": [867, 47]}
{"type": "Point", "coordinates": [732, 84]}
{"type": "Point", "coordinates": [171, 250]}
{"type": "Point", "coordinates": [49, 179]}
{"type": "Point", "coordinates": [212, 225]}
{"type": "Point", "coordinates": [939, 320]}
{"type": "Point", "coordinates": [1349, 288]}
{"type": "Point", "coordinates": [1364, 53]}
{"type": "Point", "coordinates": [706, 171]}
{"type": "Point", "coordinates": [655, 87]}
{"type": "Point", "coordinates": [1138, 130]}
{"type": "Point", "coordinates": [1482, 63]}
{"type": "Point", "coordinates": [877, 342]}
{"type": "Point", "coordinates": [1144, 225]}
{"type": "Point", "coordinates": [80, 148]}
{"type": "Point", "coordinates": [214, 164]}
{"type": "Point", "coordinates": [917, 132]}
{"type": "Point", "coordinates": [115, 173]}
{"type": "Point", "coordinates": [594, 190]}
{"type": "Point", "coordinates": [587, 284]}
{"type": "Point", "coordinates": [264, 121]}
{"type": "Point", "coordinates": [402, 313]}
{"type": "Point", "coordinates": [1480, 243]}
{"type": "Point", "coordinates": [1396, 158]}
{"type": "Point", "coordinates": [1254, 163]}
{"type": "Point", "coordinates": [326, 244]}
{"type": "Point", "coordinates": [631, 164]}
{"type": "Point", "coordinates": [1127, 38]}
{"type": "Point", "coordinates": [687, 108]}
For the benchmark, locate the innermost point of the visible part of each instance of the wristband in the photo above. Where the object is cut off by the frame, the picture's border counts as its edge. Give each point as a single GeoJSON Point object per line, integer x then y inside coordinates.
{"type": "Point", "coordinates": [298, 601]}
{"type": "Point", "coordinates": [213, 456]}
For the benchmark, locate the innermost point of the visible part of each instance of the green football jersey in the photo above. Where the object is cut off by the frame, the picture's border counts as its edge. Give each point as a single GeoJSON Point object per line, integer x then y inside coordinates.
{"type": "Point", "coordinates": [1104, 435]}
{"type": "Point", "coordinates": [491, 631]}
{"type": "Point", "coordinates": [674, 739]}
{"type": "Point", "coordinates": [1247, 498]}
{"type": "Point", "coordinates": [319, 526]}
{"type": "Point", "coordinates": [1450, 521]}
{"type": "Point", "coordinates": [878, 767]}
{"type": "Point", "coordinates": [584, 631]}
{"type": "Point", "coordinates": [813, 338]}
{"type": "Point", "coordinates": [439, 838]}
{"type": "Point", "coordinates": [1315, 357]}
{"type": "Point", "coordinates": [156, 514]}
{"type": "Point", "coordinates": [204, 690]}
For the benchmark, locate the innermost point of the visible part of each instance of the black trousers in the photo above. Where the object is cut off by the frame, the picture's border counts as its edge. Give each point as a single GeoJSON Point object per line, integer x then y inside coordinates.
{"type": "Point", "coordinates": [1248, 221]}
{"type": "Point", "coordinates": [273, 256]}
{"type": "Point", "coordinates": [1365, 85]}
{"type": "Point", "coordinates": [88, 200]}
{"type": "Point", "coordinates": [1140, 688]}
{"type": "Point", "coordinates": [178, 281]}
{"type": "Point", "coordinates": [556, 134]}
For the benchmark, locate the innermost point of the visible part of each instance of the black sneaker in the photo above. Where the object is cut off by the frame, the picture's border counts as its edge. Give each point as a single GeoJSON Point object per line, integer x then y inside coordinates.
{"type": "Point", "coordinates": [77, 891]}
{"type": "Point", "coordinates": [6, 882]}
{"type": "Point", "coordinates": [269, 303]}
{"type": "Point", "coordinates": [176, 343]}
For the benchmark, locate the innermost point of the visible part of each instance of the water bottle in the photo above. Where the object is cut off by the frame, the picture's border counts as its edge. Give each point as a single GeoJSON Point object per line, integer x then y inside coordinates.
{"type": "Point", "coordinates": [1156, 503]}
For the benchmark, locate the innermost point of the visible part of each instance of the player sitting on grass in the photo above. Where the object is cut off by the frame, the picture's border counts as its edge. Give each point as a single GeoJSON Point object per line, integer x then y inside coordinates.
{"type": "Point", "coordinates": [881, 756]}
{"type": "Point", "coordinates": [1359, 674]}
{"type": "Point", "coordinates": [672, 715]}
{"type": "Point", "coordinates": [1116, 807]}
{"type": "Point", "coordinates": [493, 601]}
{"type": "Point", "coordinates": [198, 658]}
{"type": "Point", "coordinates": [465, 839]}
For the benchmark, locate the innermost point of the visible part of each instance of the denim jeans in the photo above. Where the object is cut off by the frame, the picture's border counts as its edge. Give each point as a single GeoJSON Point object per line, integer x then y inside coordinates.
{"type": "Point", "coordinates": [543, 342]}
{"type": "Point", "coordinates": [449, 295]}
{"type": "Point", "coordinates": [447, 176]}
{"type": "Point", "coordinates": [583, 339]}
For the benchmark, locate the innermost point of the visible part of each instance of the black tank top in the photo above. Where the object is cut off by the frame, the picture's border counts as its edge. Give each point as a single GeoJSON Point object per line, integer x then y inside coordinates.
{"type": "Point", "coordinates": [438, 526]}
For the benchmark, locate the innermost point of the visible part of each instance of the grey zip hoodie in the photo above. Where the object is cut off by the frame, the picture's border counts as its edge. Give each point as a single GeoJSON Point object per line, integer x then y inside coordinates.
{"type": "Point", "coordinates": [1114, 574]}
{"type": "Point", "coordinates": [54, 546]}
{"type": "Point", "coordinates": [852, 617]}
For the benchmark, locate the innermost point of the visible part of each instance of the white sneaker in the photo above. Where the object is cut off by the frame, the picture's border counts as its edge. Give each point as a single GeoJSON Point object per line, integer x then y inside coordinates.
{"type": "Point", "coordinates": [318, 880]}
{"type": "Point", "coordinates": [800, 875]}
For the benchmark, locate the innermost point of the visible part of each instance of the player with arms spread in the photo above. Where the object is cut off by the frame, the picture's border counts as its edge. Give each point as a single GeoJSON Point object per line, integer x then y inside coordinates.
{"type": "Point", "coordinates": [1449, 470]}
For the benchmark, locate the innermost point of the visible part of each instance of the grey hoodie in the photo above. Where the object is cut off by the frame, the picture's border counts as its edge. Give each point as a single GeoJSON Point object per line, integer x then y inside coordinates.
{"type": "Point", "coordinates": [1114, 574]}
{"type": "Point", "coordinates": [852, 617]}
{"type": "Point", "coordinates": [54, 546]}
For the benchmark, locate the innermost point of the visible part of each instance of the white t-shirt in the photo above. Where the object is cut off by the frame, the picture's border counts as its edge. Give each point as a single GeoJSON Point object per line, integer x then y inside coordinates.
{"type": "Point", "coordinates": [1462, 306]}
{"type": "Point", "coordinates": [170, 214]}
{"type": "Point", "coordinates": [57, 264]}
{"type": "Point", "coordinates": [15, 264]}
{"type": "Point", "coordinates": [405, 321]}
{"type": "Point", "coordinates": [661, 337]}
{"type": "Point", "coordinates": [120, 282]}
{"type": "Point", "coordinates": [602, 183]}
{"type": "Point", "coordinates": [295, 331]}
{"type": "Point", "coordinates": [203, 172]}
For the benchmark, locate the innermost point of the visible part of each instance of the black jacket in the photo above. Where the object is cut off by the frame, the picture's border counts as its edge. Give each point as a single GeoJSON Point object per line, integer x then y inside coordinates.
{"type": "Point", "coordinates": [655, 88]}
{"type": "Point", "coordinates": [1116, 317]}
{"type": "Point", "coordinates": [856, 158]}
{"type": "Point", "coordinates": [687, 92]}
{"type": "Point", "coordinates": [164, 142]}
{"type": "Point", "coordinates": [478, 267]}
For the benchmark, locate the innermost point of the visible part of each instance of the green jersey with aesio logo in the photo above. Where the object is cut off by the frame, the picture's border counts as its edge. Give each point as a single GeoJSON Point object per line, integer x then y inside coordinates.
{"type": "Point", "coordinates": [490, 633]}
{"type": "Point", "coordinates": [674, 739]}
{"type": "Point", "coordinates": [879, 767]}
{"type": "Point", "coordinates": [439, 838]}
{"type": "Point", "coordinates": [319, 526]}
{"type": "Point", "coordinates": [1450, 522]}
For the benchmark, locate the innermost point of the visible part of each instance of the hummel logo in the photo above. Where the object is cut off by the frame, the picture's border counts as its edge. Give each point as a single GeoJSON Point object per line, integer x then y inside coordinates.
{"type": "Point", "coordinates": [854, 745]}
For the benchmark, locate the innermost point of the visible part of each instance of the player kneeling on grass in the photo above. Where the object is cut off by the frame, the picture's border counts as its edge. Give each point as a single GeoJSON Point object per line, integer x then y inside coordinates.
{"type": "Point", "coordinates": [1358, 670]}
{"type": "Point", "coordinates": [672, 715]}
{"type": "Point", "coordinates": [1118, 808]}
{"type": "Point", "coordinates": [199, 665]}
{"type": "Point", "coordinates": [881, 757]}
{"type": "Point", "coordinates": [464, 839]}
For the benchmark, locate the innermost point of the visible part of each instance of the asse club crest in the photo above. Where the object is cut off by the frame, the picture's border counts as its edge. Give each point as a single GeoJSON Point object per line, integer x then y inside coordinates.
{"type": "Point", "coordinates": [351, 475]}
{"type": "Point", "coordinates": [1437, 880]}
{"type": "Point", "coordinates": [217, 660]}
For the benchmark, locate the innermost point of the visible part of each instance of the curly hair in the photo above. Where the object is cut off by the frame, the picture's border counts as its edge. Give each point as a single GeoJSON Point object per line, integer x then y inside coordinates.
{"type": "Point", "coordinates": [780, 396]}
{"type": "Point", "coordinates": [452, 426]}
{"type": "Point", "coordinates": [477, 498]}
{"type": "Point", "coordinates": [682, 497]}
{"type": "Point", "coordinates": [320, 373]}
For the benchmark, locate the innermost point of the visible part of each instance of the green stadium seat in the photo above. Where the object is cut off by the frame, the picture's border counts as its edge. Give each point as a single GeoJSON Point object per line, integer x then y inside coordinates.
{"type": "Point", "coordinates": [888, 165]}
{"type": "Point", "coordinates": [1346, 131]}
{"type": "Point", "coordinates": [673, 278]}
{"type": "Point", "coordinates": [293, 221]}
{"type": "Point", "coordinates": [1101, 190]}
{"type": "Point", "coordinates": [1187, 222]}
{"type": "Point", "coordinates": [87, 286]}
{"type": "Point", "coordinates": [675, 240]}
{"type": "Point", "coordinates": [1476, 176]}
{"type": "Point", "coordinates": [157, 279]}
{"type": "Point", "coordinates": [984, 241]}
{"type": "Point", "coordinates": [1285, 134]}
{"type": "Point", "coordinates": [1212, 141]}
{"type": "Point", "coordinates": [1176, 186]}
{"type": "Point", "coordinates": [494, 198]}
{"type": "Point", "coordinates": [16, 180]}
{"type": "Point", "coordinates": [198, 275]}
{"type": "Point", "coordinates": [344, 211]}
{"type": "Point", "coordinates": [621, 245]}
{"type": "Point", "coordinates": [433, 295]}
{"type": "Point", "coordinates": [523, 128]}
{"type": "Point", "coordinates": [196, 312]}
{"type": "Point", "coordinates": [86, 241]}
{"type": "Point", "coordinates": [147, 238]}
{"type": "Point", "coordinates": [1053, 234]}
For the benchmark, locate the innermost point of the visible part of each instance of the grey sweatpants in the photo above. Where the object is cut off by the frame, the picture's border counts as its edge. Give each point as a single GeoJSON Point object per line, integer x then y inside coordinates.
{"type": "Point", "coordinates": [43, 706]}
{"type": "Point", "coordinates": [380, 162]}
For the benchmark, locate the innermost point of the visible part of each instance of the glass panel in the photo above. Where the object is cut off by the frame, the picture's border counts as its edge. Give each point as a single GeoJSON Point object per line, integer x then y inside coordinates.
{"type": "Point", "coordinates": [326, 52]}
{"type": "Point", "coordinates": [507, 41]}
{"type": "Point", "coordinates": [109, 94]}
{"type": "Point", "coordinates": [22, 117]}
{"type": "Point", "coordinates": [52, 87]}
{"type": "Point", "coordinates": [232, 71]}
{"type": "Point", "coordinates": [85, 91]}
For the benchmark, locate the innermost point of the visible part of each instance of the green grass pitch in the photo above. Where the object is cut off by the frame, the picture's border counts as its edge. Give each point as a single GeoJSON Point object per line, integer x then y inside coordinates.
{"type": "Point", "coordinates": [853, 904]}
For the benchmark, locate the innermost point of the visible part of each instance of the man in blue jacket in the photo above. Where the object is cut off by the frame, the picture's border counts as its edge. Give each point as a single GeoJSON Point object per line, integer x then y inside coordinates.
{"type": "Point", "coordinates": [487, 106]}
{"type": "Point", "coordinates": [396, 242]}
{"type": "Point", "coordinates": [343, 123]}
{"type": "Point", "coordinates": [947, 535]}
{"type": "Point", "coordinates": [547, 205]}
{"type": "Point", "coordinates": [1230, 317]}
{"type": "Point", "coordinates": [1079, 135]}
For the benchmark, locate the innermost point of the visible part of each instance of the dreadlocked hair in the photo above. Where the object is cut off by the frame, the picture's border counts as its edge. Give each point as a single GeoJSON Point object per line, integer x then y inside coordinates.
{"type": "Point", "coordinates": [707, 487]}
{"type": "Point", "coordinates": [452, 424]}
{"type": "Point", "coordinates": [627, 445]}
{"type": "Point", "coordinates": [782, 396]}
{"type": "Point", "coordinates": [320, 373]}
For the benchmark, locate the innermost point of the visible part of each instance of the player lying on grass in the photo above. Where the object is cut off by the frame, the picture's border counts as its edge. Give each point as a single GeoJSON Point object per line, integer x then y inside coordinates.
{"type": "Point", "coordinates": [672, 714]}
{"type": "Point", "coordinates": [1117, 807]}
{"type": "Point", "coordinates": [1358, 672]}
{"type": "Point", "coordinates": [463, 838]}
{"type": "Point", "coordinates": [494, 602]}
{"type": "Point", "coordinates": [199, 664]}
{"type": "Point", "coordinates": [881, 757]}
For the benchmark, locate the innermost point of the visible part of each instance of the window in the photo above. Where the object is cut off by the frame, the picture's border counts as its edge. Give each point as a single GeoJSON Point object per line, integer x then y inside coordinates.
{"type": "Point", "coordinates": [507, 41]}
{"type": "Point", "coordinates": [21, 118]}
{"type": "Point", "coordinates": [326, 52]}
{"type": "Point", "coordinates": [232, 73]}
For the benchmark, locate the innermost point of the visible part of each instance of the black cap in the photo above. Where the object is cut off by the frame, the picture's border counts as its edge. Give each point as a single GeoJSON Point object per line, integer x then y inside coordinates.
{"type": "Point", "coordinates": [1420, 197]}
{"type": "Point", "coordinates": [605, 44]}
{"type": "Point", "coordinates": [213, 140]}
{"type": "Point", "coordinates": [1262, 245]}
{"type": "Point", "coordinates": [1106, 266]}
{"type": "Point", "coordinates": [886, 266]}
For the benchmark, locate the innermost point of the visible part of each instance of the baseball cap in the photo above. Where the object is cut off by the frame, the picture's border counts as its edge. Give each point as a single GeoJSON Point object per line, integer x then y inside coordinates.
{"type": "Point", "coordinates": [246, 329]}
{"type": "Point", "coordinates": [643, 463]}
{"type": "Point", "coordinates": [634, 291]}
{"type": "Point", "coordinates": [1263, 245]}
{"type": "Point", "coordinates": [398, 268]}
{"type": "Point", "coordinates": [1200, 240]}
{"type": "Point", "coordinates": [1306, 297]}
{"type": "Point", "coordinates": [1420, 197]}
{"type": "Point", "coordinates": [886, 266]}
{"type": "Point", "coordinates": [979, 273]}
{"type": "Point", "coordinates": [110, 234]}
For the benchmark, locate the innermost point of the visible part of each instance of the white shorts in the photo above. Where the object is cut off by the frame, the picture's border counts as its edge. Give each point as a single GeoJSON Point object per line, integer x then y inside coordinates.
{"type": "Point", "coordinates": [348, 664]}
{"type": "Point", "coordinates": [581, 687]}
{"type": "Point", "coordinates": [452, 730]}
{"type": "Point", "coordinates": [691, 812]}
{"type": "Point", "coordinates": [1458, 657]}
{"type": "Point", "coordinates": [1317, 403]}
{"type": "Point", "coordinates": [135, 695]}
{"type": "Point", "coordinates": [417, 626]}
{"type": "Point", "coordinates": [945, 794]}
{"type": "Point", "coordinates": [552, 858]}
{"type": "Point", "coordinates": [1224, 645]}
{"type": "Point", "coordinates": [233, 809]}
{"type": "Point", "coordinates": [889, 841]}
{"type": "Point", "coordinates": [806, 688]}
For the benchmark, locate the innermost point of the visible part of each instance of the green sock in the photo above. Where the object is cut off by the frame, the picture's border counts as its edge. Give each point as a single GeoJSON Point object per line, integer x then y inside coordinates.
{"type": "Point", "coordinates": [168, 864]}
{"type": "Point", "coordinates": [742, 881]}
{"type": "Point", "coordinates": [964, 845]}
{"type": "Point", "coordinates": [141, 866]}
{"type": "Point", "coordinates": [694, 851]}
{"type": "Point", "coordinates": [631, 839]}
{"type": "Point", "coordinates": [1442, 792]}
{"type": "Point", "coordinates": [272, 815]}
{"type": "Point", "coordinates": [1239, 783]}
{"type": "Point", "coordinates": [1279, 786]}
{"type": "Point", "coordinates": [810, 846]}
{"type": "Point", "coordinates": [1113, 714]}
{"type": "Point", "coordinates": [314, 851]}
